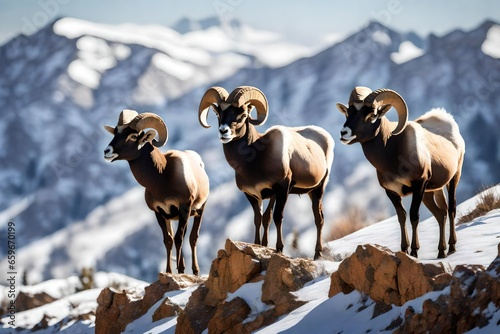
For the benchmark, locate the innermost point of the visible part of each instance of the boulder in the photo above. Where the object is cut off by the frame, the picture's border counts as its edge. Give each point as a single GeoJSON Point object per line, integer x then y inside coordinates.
{"type": "Point", "coordinates": [115, 309]}
{"type": "Point", "coordinates": [166, 309]}
{"type": "Point", "coordinates": [227, 315]}
{"type": "Point", "coordinates": [388, 277]}
{"type": "Point", "coordinates": [26, 301]}
{"type": "Point", "coordinates": [237, 264]}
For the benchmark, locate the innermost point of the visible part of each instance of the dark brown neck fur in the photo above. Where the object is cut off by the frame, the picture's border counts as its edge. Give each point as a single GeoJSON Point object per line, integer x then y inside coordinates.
{"type": "Point", "coordinates": [150, 162]}
{"type": "Point", "coordinates": [381, 149]}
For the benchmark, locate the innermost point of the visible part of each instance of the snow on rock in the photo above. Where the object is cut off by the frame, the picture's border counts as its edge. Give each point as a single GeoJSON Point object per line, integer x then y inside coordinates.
{"type": "Point", "coordinates": [73, 309]}
{"type": "Point", "coordinates": [491, 45]}
{"type": "Point", "coordinates": [84, 74]}
{"type": "Point", "coordinates": [95, 57]}
{"type": "Point", "coordinates": [171, 66]}
{"type": "Point", "coordinates": [381, 37]}
{"type": "Point", "coordinates": [407, 51]}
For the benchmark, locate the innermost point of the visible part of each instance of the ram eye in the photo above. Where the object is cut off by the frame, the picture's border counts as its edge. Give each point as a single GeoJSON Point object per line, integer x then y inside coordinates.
{"type": "Point", "coordinates": [241, 118]}
{"type": "Point", "coordinates": [133, 137]}
{"type": "Point", "coordinates": [373, 117]}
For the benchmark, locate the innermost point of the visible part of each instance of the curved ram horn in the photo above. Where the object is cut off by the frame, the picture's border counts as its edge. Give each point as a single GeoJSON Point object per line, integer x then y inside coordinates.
{"type": "Point", "coordinates": [250, 95]}
{"type": "Point", "coordinates": [387, 96]}
{"type": "Point", "coordinates": [214, 95]}
{"type": "Point", "coordinates": [150, 120]}
{"type": "Point", "coordinates": [358, 95]}
{"type": "Point", "coordinates": [126, 116]}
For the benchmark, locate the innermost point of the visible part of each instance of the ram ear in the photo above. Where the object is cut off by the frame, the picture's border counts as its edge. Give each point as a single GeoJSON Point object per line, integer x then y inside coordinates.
{"type": "Point", "coordinates": [382, 110]}
{"type": "Point", "coordinates": [342, 108]}
{"type": "Point", "coordinates": [110, 129]}
{"type": "Point", "coordinates": [147, 137]}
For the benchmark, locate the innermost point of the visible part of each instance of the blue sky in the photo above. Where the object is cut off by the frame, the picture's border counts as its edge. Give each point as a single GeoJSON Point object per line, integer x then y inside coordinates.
{"type": "Point", "coordinates": [303, 21]}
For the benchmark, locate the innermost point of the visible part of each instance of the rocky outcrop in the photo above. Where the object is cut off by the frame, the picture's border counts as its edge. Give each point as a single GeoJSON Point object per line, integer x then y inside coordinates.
{"type": "Point", "coordinates": [26, 301]}
{"type": "Point", "coordinates": [237, 264]}
{"type": "Point", "coordinates": [474, 296]}
{"type": "Point", "coordinates": [465, 300]}
{"type": "Point", "coordinates": [116, 309]}
{"type": "Point", "coordinates": [388, 277]}
{"type": "Point", "coordinates": [395, 278]}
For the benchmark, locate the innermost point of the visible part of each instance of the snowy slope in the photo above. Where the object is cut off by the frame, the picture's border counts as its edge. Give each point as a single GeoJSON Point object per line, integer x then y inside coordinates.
{"type": "Point", "coordinates": [477, 244]}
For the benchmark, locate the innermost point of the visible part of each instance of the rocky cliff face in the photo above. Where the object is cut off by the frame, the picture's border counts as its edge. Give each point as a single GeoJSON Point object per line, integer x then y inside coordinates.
{"type": "Point", "coordinates": [465, 299]}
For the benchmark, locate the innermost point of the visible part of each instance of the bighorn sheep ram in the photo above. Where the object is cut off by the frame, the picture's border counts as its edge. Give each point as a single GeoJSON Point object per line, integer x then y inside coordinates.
{"type": "Point", "coordinates": [175, 182]}
{"type": "Point", "coordinates": [273, 164]}
{"type": "Point", "coordinates": [418, 157]}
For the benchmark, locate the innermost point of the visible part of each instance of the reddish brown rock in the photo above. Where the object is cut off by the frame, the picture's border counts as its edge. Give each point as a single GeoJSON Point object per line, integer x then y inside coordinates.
{"type": "Point", "coordinates": [166, 309]}
{"type": "Point", "coordinates": [234, 266]}
{"type": "Point", "coordinates": [26, 301]}
{"type": "Point", "coordinates": [228, 315]}
{"type": "Point", "coordinates": [474, 292]}
{"type": "Point", "coordinates": [416, 279]}
{"type": "Point", "coordinates": [196, 315]}
{"type": "Point", "coordinates": [240, 263]}
{"type": "Point", "coordinates": [116, 309]}
{"type": "Point", "coordinates": [391, 278]}
{"type": "Point", "coordinates": [285, 275]}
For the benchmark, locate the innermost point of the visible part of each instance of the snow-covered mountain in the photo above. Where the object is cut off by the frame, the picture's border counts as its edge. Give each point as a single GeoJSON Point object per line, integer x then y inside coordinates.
{"type": "Point", "coordinates": [60, 85]}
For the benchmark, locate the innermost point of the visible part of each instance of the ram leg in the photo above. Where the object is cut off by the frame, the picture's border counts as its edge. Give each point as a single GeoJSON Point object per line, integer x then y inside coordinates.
{"type": "Point", "coordinates": [168, 238]}
{"type": "Point", "coordinates": [266, 220]}
{"type": "Point", "coordinates": [317, 206]}
{"type": "Point", "coordinates": [418, 189]}
{"type": "Point", "coordinates": [193, 239]}
{"type": "Point", "coordinates": [401, 212]}
{"type": "Point", "coordinates": [452, 211]}
{"type": "Point", "coordinates": [281, 190]}
{"type": "Point", "coordinates": [184, 211]}
{"type": "Point", "coordinates": [256, 204]}
{"type": "Point", "coordinates": [435, 202]}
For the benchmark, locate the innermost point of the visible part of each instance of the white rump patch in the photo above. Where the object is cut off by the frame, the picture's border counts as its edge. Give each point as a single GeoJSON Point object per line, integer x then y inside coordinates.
{"type": "Point", "coordinates": [442, 123]}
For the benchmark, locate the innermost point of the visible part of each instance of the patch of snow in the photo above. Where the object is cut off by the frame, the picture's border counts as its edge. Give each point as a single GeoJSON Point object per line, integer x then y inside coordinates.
{"type": "Point", "coordinates": [381, 37]}
{"type": "Point", "coordinates": [277, 55]}
{"type": "Point", "coordinates": [83, 74]}
{"type": "Point", "coordinates": [251, 293]}
{"type": "Point", "coordinates": [167, 325]}
{"type": "Point", "coordinates": [173, 67]}
{"type": "Point", "coordinates": [407, 51]}
{"type": "Point", "coordinates": [333, 38]}
{"type": "Point", "coordinates": [96, 53]}
{"type": "Point", "coordinates": [491, 45]}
